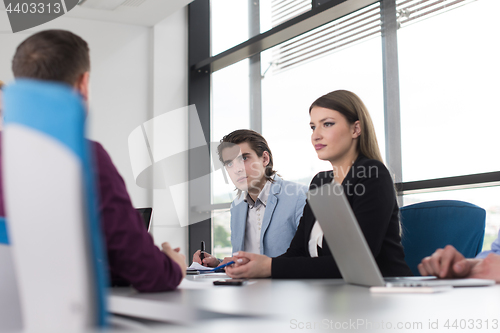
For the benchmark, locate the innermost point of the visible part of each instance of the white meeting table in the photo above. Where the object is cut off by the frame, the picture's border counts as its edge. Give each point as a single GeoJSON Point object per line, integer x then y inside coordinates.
{"type": "Point", "coordinates": [307, 305]}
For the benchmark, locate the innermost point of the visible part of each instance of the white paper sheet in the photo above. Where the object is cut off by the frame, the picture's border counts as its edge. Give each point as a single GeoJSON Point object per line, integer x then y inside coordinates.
{"type": "Point", "coordinates": [197, 267]}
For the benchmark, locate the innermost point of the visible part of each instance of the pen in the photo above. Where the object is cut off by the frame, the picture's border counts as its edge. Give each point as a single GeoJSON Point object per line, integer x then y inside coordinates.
{"type": "Point", "coordinates": [202, 256]}
{"type": "Point", "coordinates": [222, 266]}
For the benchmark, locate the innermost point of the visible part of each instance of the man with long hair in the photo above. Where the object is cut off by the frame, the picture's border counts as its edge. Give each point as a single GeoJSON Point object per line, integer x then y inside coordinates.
{"type": "Point", "coordinates": [267, 210]}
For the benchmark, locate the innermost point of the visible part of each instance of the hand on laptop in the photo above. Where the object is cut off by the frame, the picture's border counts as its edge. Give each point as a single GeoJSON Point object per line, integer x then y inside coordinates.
{"type": "Point", "coordinates": [177, 257]}
{"type": "Point", "coordinates": [487, 268]}
{"type": "Point", "coordinates": [447, 263]}
{"type": "Point", "coordinates": [249, 265]}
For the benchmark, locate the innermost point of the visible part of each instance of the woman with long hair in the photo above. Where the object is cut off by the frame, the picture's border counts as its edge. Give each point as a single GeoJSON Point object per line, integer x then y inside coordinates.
{"type": "Point", "coordinates": [343, 134]}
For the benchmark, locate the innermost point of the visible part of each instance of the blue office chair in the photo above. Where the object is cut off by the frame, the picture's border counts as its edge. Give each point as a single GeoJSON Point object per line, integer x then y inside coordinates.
{"type": "Point", "coordinates": [428, 226]}
{"type": "Point", "coordinates": [51, 203]}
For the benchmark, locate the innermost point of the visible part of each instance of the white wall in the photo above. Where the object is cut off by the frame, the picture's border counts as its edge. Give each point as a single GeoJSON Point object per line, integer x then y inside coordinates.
{"type": "Point", "coordinates": [137, 72]}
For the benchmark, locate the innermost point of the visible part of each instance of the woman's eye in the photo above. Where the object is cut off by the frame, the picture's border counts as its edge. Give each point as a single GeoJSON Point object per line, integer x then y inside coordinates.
{"type": "Point", "coordinates": [328, 124]}
{"type": "Point", "coordinates": [313, 127]}
{"type": "Point", "coordinates": [228, 165]}
{"type": "Point", "coordinates": [244, 158]}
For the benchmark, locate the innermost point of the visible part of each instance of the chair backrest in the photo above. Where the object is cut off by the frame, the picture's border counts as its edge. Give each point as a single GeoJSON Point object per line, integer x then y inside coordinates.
{"type": "Point", "coordinates": [52, 208]}
{"type": "Point", "coordinates": [430, 225]}
{"type": "Point", "coordinates": [10, 309]}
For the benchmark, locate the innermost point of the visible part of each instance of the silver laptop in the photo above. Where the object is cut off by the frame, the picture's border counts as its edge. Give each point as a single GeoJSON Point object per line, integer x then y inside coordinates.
{"type": "Point", "coordinates": [350, 250]}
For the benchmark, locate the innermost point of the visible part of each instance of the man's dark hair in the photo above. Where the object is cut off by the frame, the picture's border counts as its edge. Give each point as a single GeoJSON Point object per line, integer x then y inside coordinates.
{"type": "Point", "coordinates": [256, 142]}
{"type": "Point", "coordinates": [52, 55]}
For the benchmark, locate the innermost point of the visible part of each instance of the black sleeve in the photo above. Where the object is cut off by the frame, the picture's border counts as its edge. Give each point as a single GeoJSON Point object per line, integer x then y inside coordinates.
{"type": "Point", "coordinates": [296, 262]}
{"type": "Point", "coordinates": [296, 248]}
{"type": "Point", "coordinates": [374, 206]}
{"type": "Point", "coordinates": [304, 268]}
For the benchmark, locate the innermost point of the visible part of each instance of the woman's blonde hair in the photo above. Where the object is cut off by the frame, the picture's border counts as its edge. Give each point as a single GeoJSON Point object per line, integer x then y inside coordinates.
{"type": "Point", "coordinates": [353, 109]}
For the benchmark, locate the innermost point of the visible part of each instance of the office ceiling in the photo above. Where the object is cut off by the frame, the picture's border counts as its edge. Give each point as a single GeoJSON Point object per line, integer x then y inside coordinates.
{"type": "Point", "coordinates": [140, 12]}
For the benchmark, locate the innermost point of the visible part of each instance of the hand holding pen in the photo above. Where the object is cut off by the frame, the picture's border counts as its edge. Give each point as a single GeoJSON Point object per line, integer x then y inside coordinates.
{"type": "Point", "coordinates": [203, 258]}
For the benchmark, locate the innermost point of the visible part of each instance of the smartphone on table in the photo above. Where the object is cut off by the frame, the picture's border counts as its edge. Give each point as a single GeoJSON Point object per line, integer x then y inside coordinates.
{"type": "Point", "coordinates": [230, 282]}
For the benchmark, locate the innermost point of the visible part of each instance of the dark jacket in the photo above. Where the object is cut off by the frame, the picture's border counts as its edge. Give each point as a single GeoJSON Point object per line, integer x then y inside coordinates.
{"type": "Point", "coordinates": [370, 191]}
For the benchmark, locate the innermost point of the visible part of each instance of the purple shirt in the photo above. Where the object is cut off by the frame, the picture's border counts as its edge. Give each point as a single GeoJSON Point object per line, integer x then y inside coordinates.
{"type": "Point", "coordinates": [132, 256]}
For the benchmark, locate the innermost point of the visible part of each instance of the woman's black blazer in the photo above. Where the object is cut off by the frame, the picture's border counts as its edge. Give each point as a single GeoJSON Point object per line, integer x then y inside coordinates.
{"type": "Point", "coordinates": [370, 191]}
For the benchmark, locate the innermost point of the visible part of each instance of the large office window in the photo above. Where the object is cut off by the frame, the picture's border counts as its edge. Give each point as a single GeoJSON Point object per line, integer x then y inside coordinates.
{"type": "Point", "coordinates": [344, 54]}
{"type": "Point", "coordinates": [449, 69]}
{"type": "Point", "coordinates": [229, 24]}
{"type": "Point", "coordinates": [441, 108]}
{"type": "Point", "coordinates": [235, 21]}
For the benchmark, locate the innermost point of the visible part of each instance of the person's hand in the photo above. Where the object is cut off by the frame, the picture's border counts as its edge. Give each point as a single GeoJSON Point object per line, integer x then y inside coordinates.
{"type": "Point", "coordinates": [488, 268]}
{"type": "Point", "coordinates": [229, 259]}
{"type": "Point", "coordinates": [177, 257]}
{"type": "Point", "coordinates": [208, 261]}
{"type": "Point", "coordinates": [447, 263]}
{"type": "Point", "coordinates": [249, 265]}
